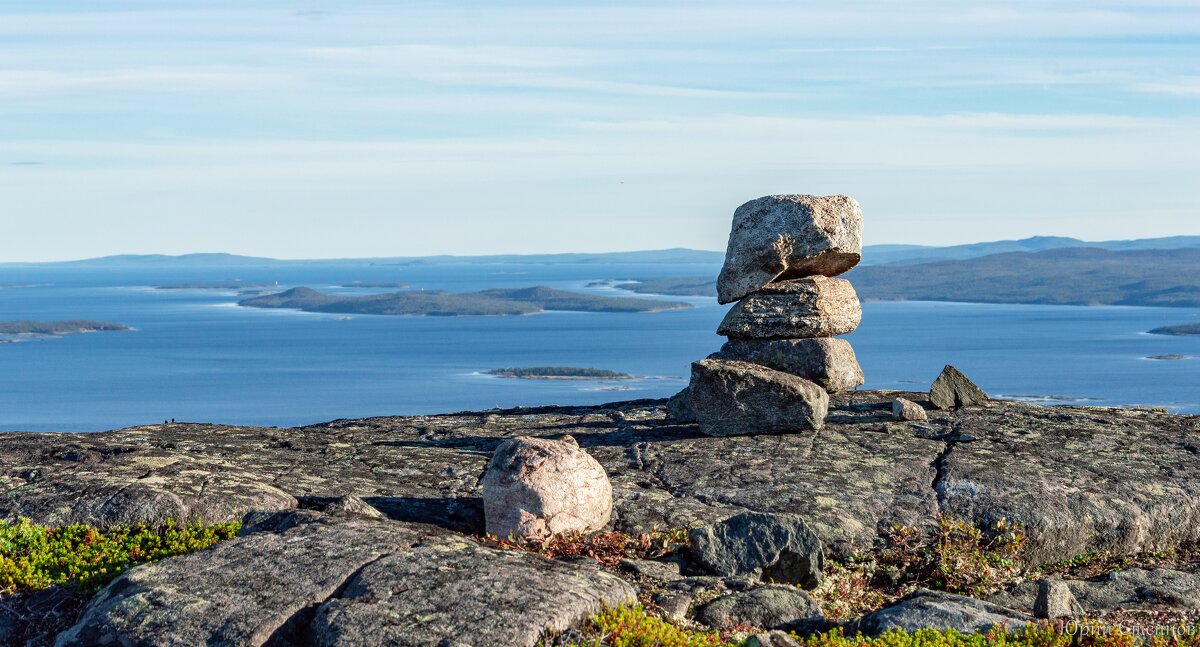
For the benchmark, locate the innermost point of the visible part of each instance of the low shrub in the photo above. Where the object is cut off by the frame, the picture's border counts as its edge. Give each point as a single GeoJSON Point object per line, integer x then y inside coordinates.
{"type": "Point", "coordinates": [608, 547]}
{"type": "Point", "coordinates": [633, 626]}
{"type": "Point", "coordinates": [34, 557]}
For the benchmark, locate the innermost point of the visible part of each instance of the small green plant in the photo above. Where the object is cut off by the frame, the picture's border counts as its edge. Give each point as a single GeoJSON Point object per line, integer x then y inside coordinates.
{"type": "Point", "coordinates": [34, 557]}
{"type": "Point", "coordinates": [633, 626]}
{"type": "Point", "coordinates": [608, 547]}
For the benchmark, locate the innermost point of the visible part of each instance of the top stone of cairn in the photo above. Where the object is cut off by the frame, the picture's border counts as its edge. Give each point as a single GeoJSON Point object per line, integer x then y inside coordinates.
{"type": "Point", "coordinates": [783, 237]}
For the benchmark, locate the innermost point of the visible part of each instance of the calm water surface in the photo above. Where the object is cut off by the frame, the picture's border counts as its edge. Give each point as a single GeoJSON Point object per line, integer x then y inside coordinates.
{"type": "Point", "coordinates": [196, 356]}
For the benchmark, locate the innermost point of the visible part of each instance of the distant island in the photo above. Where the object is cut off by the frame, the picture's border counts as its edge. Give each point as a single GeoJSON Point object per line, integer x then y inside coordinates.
{"type": "Point", "coordinates": [559, 373]}
{"type": "Point", "coordinates": [686, 286]}
{"type": "Point", "coordinates": [35, 328]}
{"type": "Point", "coordinates": [521, 301]}
{"type": "Point", "coordinates": [1181, 330]}
{"type": "Point", "coordinates": [386, 284]}
{"type": "Point", "coordinates": [213, 285]}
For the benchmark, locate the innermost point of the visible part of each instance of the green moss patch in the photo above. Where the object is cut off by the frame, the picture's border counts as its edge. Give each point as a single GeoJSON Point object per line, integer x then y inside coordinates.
{"type": "Point", "coordinates": [34, 557]}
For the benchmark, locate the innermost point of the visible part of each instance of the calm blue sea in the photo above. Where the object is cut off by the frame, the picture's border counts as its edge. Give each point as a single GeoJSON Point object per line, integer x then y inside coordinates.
{"type": "Point", "coordinates": [195, 356]}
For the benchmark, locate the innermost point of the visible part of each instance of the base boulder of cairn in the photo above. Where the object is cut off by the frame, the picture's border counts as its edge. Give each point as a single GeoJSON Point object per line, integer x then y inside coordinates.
{"type": "Point", "coordinates": [535, 488]}
{"type": "Point", "coordinates": [733, 398]}
{"type": "Point", "coordinates": [828, 361]}
{"type": "Point", "coordinates": [816, 306]}
{"type": "Point", "coordinates": [782, 237]}
{"type": "Point", "coordinates": [952, 389]}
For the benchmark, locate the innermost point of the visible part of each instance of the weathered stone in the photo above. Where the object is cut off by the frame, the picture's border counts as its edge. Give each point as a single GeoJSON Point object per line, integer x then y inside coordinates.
{"type": "Point", "coordinates": [674, 604]}
{"type": "Point", "coordinates": [952, 389]}
{"type": "Point", "coordinates": [904, 409]}
{"type": "Point", "coordinates": [735, 398]}
{"type": "Point", "coordinates": [652, 569]}
{"type": "Point", "coordinates": [937, 610]}
{"type": "Point", "coordinates": [350, 506]}
{"type": "Point", "coordinates": [536, 488]}
{"type": "Point", "coordinates": [245, 591]}
{"type": "Point", "coordinates": [827, 361]}
{"type": "Point", "coordinates": [452, 591]}
{"type": "Point", "coordinates": [816, 306]}
{"type": "Point", "coordinates": [307, 578]}
{"type": "Point", "coordinates": [767, 607]}
{"type": "Point", "coordinates": [789, 236]}
{"type": "Point", "coordinates": [679, 407]}
{"type": "Point", "coordinates": [1055, 600]}
{"type": "Point", "coordinates": [1134, 588]}
{"type": "Point", "coordinates": [779, 546]}
{"type": "Point", "coordinates": [775, 638]}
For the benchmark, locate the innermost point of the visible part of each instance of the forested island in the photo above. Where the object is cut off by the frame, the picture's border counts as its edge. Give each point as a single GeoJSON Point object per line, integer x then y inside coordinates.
{"type": "Point", "coordinates": [1181, 330]}
{"type": "Point", "coordinates": [559, 373]}
{"type": "Point", "coordinates": [522, 301]}
{"type": "Point", "coordinates": [34, 328]}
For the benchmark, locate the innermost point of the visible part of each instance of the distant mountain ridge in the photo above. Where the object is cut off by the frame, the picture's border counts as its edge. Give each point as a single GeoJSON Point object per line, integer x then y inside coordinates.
{"type": "Point", "coordinates": [896, 254]}
{"type": "Point", "coordinates": [872, 255]}
{"type": "Point", "coordinates": [1065, 276]}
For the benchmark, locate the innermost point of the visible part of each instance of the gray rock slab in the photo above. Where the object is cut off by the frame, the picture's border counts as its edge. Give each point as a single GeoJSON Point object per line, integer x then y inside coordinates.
{"type": "Point", "coordinates": [452, 591]}
{"type": "Point", "coordinates": [765, 607]}
{"type": "Point", "coordinates": [937, 610]}
{"type": "Point", "coordinates": [1134, 588]}
{"type": "Point", "coordinates": [827, 361]}
{"type": "Point", "coordinates": [816, 306]}
{"type": "Point", "coordinates": [789, 236]}
{"type": "Point", "coordinates": [246, 591]}
{"type": "Point", "coordinates": [780, 547]}
{"type": "Point", "coordinates": [735, 398]}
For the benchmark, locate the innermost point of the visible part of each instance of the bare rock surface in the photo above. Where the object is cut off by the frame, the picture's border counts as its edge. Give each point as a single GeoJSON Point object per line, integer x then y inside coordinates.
{"type": "Point", "coordinates": [816, 306]}
{"type": "Point", "coordinates": [936, 610]}
{"type": "Point", "coordinates": [952, 389]}
{"type": "Point", "coordinates": [307, 578]}
{"type": "Point", "coordinates": [827, 361]}
{"type": "Point", "coordinates": [735, 398]}
{"type": "Point", "coordinates": [454, 591]}
{"type": "Point", "coordinates": [777, 547]}
{"type": "Point", "coordinates": [1135, 588]}
{"type": "Point", "coordinates": [768, 607]}
{"type": "Point", "coordinates": [1078, 479]}
{"type": "Point", "coordinates": [789, 236]}
{"type": "Point", "coordinates": [534, 487]}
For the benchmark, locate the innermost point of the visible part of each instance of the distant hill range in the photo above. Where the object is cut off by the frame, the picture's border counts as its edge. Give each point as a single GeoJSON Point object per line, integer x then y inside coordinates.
{"type": "Point", "coordinates": [650, 257]}
{"type": "Point", "coordinates": [1073, 276]}
{"type": "Point", "coordinates": [1066, 276]}
{"type": "Point", "coordinates": [872, 255]}
{"type": "Point", "coordinates": [891, 254]}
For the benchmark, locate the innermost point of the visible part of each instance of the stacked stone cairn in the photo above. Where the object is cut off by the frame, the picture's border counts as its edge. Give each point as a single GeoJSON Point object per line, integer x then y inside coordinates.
{"type": "Point", "coordinates": [783, 356]}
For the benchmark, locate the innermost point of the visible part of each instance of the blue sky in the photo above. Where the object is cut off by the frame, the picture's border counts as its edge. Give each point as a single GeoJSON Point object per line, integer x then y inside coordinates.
{"type": "Point", "coordinates": [350, 129]}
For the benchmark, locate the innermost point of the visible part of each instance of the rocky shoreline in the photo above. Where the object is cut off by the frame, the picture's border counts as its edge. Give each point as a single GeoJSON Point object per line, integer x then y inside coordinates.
{"type": "Point", "coordinates": [1079, 480]}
